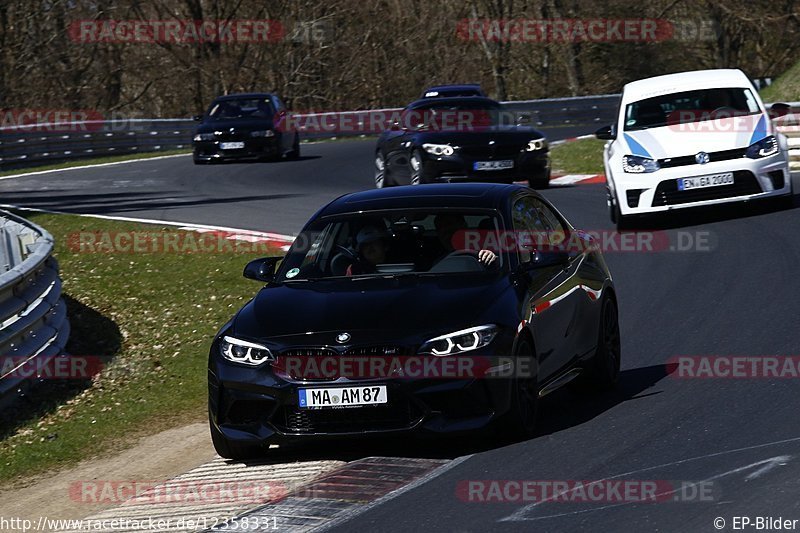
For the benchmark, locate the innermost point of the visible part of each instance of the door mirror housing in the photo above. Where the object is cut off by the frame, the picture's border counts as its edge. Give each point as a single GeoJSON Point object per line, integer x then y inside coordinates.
{"type": "Point", "coordinates": [262, 269]}
{"type": "Point", "coordinates": [540, 259]}
{"type": "Point", "coordinates": [606, 133]}
{"type": "Point", "coordinates": [198, 118]}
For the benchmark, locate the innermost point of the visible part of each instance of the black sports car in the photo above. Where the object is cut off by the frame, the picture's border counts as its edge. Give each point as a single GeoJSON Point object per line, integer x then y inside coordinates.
{"type": "Point", "coordinates": [447, 91]}
{"type": "Point", "coordinates": [240, 126]}
{"type": "Point", "coordinates": [460, 139]}
{"type": "Point", "coordinates": [383, 282]}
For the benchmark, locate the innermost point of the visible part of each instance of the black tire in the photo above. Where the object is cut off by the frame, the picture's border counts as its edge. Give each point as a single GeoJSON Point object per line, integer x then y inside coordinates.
{"type": "Point", "coordinates": [519, 423]}
{"type": "Point", "coordinates": [416, 168]}
{"type": "Point", "coordinates": [295, 153]}
{"type": "Point", "coordinates": [540, 182]}
{"type": "Point", "coordinates": [623, 222]}
{"type": "Point", "coordinates": [233, 450]}
{"type": "Point", "coordinates": [602, 370]}
{"type": "Point", "coordinates": [381, 179]}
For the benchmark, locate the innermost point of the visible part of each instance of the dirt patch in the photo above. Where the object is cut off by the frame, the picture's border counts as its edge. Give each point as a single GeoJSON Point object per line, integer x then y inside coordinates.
{"type": "Point", "coordinates": [155, 458]}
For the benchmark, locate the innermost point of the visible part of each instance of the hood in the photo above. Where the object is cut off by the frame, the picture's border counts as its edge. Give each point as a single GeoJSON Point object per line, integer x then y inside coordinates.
{"type": "Point", "coordinates": [238, 124]}
{"type": "Point", "coordinates": [688, 139]}
{"type": "Point", "coordinates": [505, 134]}
{"type": "Point", "coordinates": [373, 306]}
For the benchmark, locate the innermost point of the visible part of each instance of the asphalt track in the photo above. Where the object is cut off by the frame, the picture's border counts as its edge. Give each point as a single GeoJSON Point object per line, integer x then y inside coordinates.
{"type": "Point", "coordinates": [739, 436]}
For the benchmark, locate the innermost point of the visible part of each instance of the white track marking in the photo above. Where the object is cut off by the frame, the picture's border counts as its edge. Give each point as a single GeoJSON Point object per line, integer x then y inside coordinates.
{"type": "Point", "coordinates": [519, 514]}
{"type": "Point", "coordinates": [96, 165]}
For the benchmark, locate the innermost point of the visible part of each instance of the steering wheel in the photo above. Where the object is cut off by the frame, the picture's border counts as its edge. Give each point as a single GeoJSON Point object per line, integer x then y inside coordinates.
{"type": "Point", "coordinates": [470, 253]}
{"type": "Point", "coordinates": [347, 251]}
{"type": "Point", "coordinates": [728, 110]}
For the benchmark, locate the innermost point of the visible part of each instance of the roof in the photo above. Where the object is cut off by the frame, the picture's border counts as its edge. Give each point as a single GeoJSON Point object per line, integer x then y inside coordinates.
{"type": "Point", "coordinates": [434, 195]}
{"type": "Point", "coordinates": [453, 87]}
{"type": "Point", "coordinates": [234, 96]}
{"type": "Point", "coordinates": [684, 81]}
{"type": "Point", "coordinates": [453, 100]}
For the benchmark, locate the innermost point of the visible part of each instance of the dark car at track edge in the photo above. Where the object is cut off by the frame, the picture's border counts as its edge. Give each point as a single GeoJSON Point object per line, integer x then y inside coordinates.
{"type": "Point", "coordinates": [553, 309]}
{"type": "Point", "coordinates": [245, 126]}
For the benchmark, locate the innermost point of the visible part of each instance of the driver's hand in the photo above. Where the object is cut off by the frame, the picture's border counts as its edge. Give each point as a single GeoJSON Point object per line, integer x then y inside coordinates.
{"type": "Point", "coordinates": [486, 257]}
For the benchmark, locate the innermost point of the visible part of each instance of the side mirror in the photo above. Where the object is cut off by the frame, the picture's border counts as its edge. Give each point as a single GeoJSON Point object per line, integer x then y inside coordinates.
{"type": "Point", "coordinates": [198, 118]}
{"type": "Point", "coordinates": [523, 119]}
{"type": "Point", "coordinates": [262, 269]}
{"type": "Point", "coordinates": [548, 258]}
{"type": "Point", "coordinates": [779, 109]}
{"type": "Point", "coordinates": [606, 133]}
{"type": "Point", "coordinates": [395, 126]}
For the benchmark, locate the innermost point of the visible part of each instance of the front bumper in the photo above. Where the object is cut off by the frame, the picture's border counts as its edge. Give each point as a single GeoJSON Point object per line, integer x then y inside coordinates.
{"type": "Point", "coordinates": [658, 191]}
{"type": "Point", "coordinates": [253, 147]}
{"type": "Point", "coordinates": [256, 405]}
{"type": "Point", "coordinates": [527, 165]}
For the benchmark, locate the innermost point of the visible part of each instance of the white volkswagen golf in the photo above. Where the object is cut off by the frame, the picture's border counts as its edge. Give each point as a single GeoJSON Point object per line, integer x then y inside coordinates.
{"type": "Point", "coordinates": [691, 139]}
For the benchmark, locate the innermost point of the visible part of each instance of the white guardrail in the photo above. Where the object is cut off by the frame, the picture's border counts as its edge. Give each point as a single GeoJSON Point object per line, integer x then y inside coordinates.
{"type": "Point", "coordinates": [33, 316]}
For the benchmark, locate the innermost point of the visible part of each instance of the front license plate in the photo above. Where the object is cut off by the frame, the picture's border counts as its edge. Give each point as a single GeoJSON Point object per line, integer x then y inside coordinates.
{"type": "Point", "coordinates": [341, 397]}
{"type": "Point", "coordinates": [501, 164]}
{"type": "Point", "coordinates": [232, 146]}
{"type": "Point", "coordinates": [700, 182]}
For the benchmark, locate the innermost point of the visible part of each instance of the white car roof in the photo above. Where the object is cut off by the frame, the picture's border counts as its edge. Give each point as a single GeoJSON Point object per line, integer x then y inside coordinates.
{"type": "Point", "coordinates": [684, 81]}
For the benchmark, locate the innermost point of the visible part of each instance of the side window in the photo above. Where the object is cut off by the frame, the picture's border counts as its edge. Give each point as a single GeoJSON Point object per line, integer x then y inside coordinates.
{"type": "Point", "coordinates": [556, 232]}
{"type": "Point", "coordinates": [525, 218]}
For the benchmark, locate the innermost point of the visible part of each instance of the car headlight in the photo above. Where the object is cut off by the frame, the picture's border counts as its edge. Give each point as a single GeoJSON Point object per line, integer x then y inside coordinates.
{"type": "Point", "coordinates": [764, 148]}
{"type": "Point", "coordinates": [536, 144]}
{"type": "Point", "coordinates": [204, 137]}
{"type": "Point", "coordinates": [460, 341]}
{"type": "Point", "coordinates": [438, 149]}
{"type": "Point", "coordinates": [262, 133]}
{"type": "Point", "coordinates": [244, 352]}
{"type": "Point", "coordinates": [635, 164]}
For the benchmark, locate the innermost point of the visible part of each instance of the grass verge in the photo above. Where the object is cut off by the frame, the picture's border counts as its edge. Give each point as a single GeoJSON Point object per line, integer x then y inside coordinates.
{"type": "Point", "coordinates": [785, 89]}
{"type": "Point", "coordinates": [156, 314]}
{"type": "Point", "coordinates": [93, 161]}
{"type": "Point", "coordinates": [578, 157]}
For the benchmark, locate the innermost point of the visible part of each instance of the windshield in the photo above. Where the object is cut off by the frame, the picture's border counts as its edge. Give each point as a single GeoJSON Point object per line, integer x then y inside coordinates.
{"type": "Point", "coordinates": [690, 106]}
{"type": "Point", "coordinates": [390, 243]}
{"type": "Point", "coordinates": [255, 108]}
{"type": "Point", "coordinates": [464, 115]}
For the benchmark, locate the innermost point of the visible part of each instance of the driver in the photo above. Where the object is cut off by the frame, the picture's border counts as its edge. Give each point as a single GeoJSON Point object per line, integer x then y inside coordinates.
{"type": "Point", "coordinates": [447, 226]}
{"type": "Point", "coordinates": [371, 247]}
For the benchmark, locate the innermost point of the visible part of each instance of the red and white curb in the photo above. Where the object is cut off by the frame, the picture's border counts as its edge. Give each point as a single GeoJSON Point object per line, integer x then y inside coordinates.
{"type": "Point", "coordinates": [577, 179]}
{"type": "Point", "coordinates": [276, 240]}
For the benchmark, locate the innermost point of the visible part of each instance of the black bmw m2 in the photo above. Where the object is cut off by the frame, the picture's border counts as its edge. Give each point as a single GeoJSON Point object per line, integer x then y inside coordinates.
{"type": "Point", "coordinates": [414, 309]}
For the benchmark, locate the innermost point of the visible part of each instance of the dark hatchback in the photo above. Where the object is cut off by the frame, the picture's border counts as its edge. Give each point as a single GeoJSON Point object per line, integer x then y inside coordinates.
{"type": "Point", "coordinates": [531, 318]}
{"type": "Point", "coordinates": [460, 139]}
{"type": "Point", "coordinates": [240, 126]}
